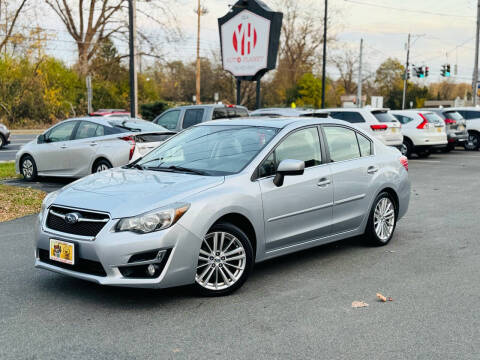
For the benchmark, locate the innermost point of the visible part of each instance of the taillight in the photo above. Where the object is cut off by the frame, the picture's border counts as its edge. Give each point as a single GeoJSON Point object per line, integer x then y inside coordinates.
{"type": "Point", "coordinates": [423, 123]}
{"type": "Point", "coordinates": [404, 162]}
{"type": "Point", "coordinates": [131, 140]}
{"type": "Point", "coordinates": [379, 127]}
{"type": "Point", "coordinates": [450, 121]}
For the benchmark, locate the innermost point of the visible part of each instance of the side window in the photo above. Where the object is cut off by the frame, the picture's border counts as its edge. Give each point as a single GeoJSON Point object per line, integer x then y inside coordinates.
{"type": "Point", "coordinates": [353, 117]}
{"type": "Point", "coordinates": [86, 130]}
{"type": "Point", "coordinates": [470, 114]}
{"type": "Point", "coordinates": [337, 115]}
{"type": "Point", "coordinates": [301, 145]}
{"type": "Point", "coordinates": [342, 143]}
{"type": "Point", "coordinates": [219, 113]}
{"type": "Point", "coordinates": [192, 117]}
{"type": "Point", "coordinates": [365, 145]}
{"type": "Point", "coordinates": [62, 132]}
{"type": "Point", "coordinates": [168, 120]}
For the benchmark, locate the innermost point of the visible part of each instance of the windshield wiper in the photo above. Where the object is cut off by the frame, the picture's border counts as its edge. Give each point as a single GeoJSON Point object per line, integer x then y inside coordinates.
{"type": "Point", "coordinates": [136, 166]}
{"type": "Point", "coordinates": [174, 168]}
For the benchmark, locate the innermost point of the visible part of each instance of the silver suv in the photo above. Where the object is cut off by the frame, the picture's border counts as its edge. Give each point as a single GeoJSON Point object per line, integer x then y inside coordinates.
{"type": "Point", "coordinates": [4, 136]}
{"type": "Point", "coordinates": [183, 117]}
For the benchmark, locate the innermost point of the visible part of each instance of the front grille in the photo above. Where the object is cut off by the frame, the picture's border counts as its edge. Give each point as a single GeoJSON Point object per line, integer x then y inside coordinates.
{"type": "Point", "coordinates": [90, 225]}
{"type": "Point", "coordinates": [81, 265]}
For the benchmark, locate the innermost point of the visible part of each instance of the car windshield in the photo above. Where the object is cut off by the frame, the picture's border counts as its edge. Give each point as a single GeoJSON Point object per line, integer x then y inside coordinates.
{"type": "Point", "coordinates": [210, 150]}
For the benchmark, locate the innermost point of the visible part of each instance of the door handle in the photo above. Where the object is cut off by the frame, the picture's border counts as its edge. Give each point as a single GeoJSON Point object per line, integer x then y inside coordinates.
{"type": "Point", "coordinates": [93, 144]}
{"type": "Point", "coordinates": [63, 146]}
{"type": "Point", "coordinates": [372, 170]}
{"type": "Point", "coordinates": [323, 182]}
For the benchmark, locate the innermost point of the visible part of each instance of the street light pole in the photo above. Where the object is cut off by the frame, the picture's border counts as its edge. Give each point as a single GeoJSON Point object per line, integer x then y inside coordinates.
{"type": "Point", "coordinates": [132, 29]}
{"type": "Point", "coordinates": [325, 53]}
{"type": "Point", "coordinates": [359, 87]}
{"type": "Point", "coordinates": [197, 75]}
{"type": "Point", "coordinates": [405, 75]}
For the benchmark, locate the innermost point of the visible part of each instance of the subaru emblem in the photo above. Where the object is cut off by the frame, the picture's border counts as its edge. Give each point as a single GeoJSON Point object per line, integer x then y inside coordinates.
{"type": "Point", "coordinates": [72, 218]}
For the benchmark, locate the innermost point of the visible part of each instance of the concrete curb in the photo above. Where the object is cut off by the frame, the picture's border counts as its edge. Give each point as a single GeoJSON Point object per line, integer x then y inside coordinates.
{"type": "Point", "coordinates": [27, 131]}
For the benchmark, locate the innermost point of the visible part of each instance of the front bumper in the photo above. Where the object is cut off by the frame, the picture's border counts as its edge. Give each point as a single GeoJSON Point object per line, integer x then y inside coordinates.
{"type": "Point", "coordinates": [112, 251]}
{"type": "Point", "coordinates": [457, 138]}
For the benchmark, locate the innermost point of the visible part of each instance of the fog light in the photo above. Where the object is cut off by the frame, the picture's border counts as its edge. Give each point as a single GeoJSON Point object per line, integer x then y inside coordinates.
{"type": "Point", "coordinates": [151, 269]}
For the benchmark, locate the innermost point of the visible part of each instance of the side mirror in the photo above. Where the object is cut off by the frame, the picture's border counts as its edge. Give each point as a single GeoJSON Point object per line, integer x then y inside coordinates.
{"type": "Point", "coordinates": [41, 139]}
{"type": "Point", "coordinates": [288, 167]}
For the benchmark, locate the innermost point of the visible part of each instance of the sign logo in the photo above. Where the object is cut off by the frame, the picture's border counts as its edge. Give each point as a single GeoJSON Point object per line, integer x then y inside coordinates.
{"type": "Point", "coordinates": [72, 218]}
{"type": "Point", "coordinates": [244, 38]}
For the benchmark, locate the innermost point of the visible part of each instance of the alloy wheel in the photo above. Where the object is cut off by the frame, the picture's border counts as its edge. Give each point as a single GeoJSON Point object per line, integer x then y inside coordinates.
{"type": "Point", "coordinates": [102, 167]}
{"type": "Point", "coordinates": [472, 142]}
{"type": "Point", "coordinates": [384, 219]}
{"type": "Point", "coordinates": [221, 262]}
{"type": "Point", "coordinates": [27, 168]}
{"type": "Point", "coordinates": [404, 150]}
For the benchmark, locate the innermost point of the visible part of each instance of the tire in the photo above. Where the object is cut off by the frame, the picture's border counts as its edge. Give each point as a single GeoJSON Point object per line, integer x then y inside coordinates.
{"type": "Point", "coordinates": [101, 165]}
{"type": "Point", "coordinates": [375, 233]}
{"type": "Point", "coordinates": [473, 142]}
{"type": "Point", "coordinates": [28, 168]}
{"type": "Point", "coordinates": [215, 274]}
{"type": "Point", "coordinates": [407, 148]}
{"type": "Point", "coordinates": [423, 154]}
{"type": "Point", "coordinates": [2, 141]}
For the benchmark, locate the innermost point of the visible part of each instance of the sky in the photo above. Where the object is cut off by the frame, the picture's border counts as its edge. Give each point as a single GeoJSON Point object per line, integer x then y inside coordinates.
{"type": "Point", "coordinates": [443, 31]}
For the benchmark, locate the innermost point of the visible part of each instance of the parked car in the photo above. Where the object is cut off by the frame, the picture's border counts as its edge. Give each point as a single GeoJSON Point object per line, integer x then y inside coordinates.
{"type": "Point", "coordinates": [472, 118]}
{"type": "Point", "coordinates": [4, 135]}
{"type": "Point", "coordinates": [455, 126]}
{"type": "Point", "coordinates": [213, 200]}
{"type": "Point", "coordinates": [81, 146]}
{"type": "Point", "coordinates": [422, 131]}
{"type": "Point", "coordinates": [118, 113]}
{"type": "Point", "coordinates": [279, 112]}
{"type": "Point", "coordinates": [183, 117]}
{"type": "Point", "coordinates": [377, 122]}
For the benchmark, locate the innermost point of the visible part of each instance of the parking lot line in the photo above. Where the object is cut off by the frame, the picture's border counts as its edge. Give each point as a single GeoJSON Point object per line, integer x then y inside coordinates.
{"type": "Point", "coordinates": [425, 161]}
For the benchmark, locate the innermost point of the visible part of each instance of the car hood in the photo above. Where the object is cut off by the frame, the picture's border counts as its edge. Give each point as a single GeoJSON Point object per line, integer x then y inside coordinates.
{"type": "Point", "coordinates": [130, 192]}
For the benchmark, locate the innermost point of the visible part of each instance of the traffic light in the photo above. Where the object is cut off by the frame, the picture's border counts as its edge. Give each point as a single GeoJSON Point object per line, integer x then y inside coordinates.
{"type": "Point", "coordinates": [427, 69]}
{"type": "Point", "coordinates": [420, 72]}
{"type": "Point", "coordinates": [445, 72]}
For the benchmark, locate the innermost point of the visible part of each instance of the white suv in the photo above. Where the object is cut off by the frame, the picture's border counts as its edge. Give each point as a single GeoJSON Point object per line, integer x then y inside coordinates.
{"type": "Point", "coordinates": [422, 130]}
{"type": "Point", "coordinates": [378, 122]}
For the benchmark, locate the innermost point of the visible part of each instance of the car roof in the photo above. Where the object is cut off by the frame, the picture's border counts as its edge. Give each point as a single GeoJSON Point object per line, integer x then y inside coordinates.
{"type": "Point", "coordinates": [412, 111]}
{"type": "Point", "coordinates": [275, 122]}
{"type": "Point", "coordinates": [208, 106]}
{"type": "Point", "coordinates": [117, 121]}
{"type": "Point", "coordinates": [357, 109]}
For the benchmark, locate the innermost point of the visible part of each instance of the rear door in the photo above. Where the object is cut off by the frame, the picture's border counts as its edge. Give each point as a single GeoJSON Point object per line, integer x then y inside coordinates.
{"type": "Point", "coordinates": [170, 119]}
{"type": "Point", "coordinates": [52, 156]}
{"type": "Point", "coordinates": [301, 209]}
{"type": "Point", "coordinates": [353, 169]}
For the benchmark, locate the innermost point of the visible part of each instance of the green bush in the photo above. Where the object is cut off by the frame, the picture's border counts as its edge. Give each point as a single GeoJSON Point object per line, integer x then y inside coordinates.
{"type": "Point", "coordinates": [151, 111]}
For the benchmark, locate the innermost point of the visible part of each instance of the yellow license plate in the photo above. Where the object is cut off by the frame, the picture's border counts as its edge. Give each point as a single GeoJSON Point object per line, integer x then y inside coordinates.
{"type": "Point", "coordinates": [394, 130]}
{"type": "Point", "coordinates": [439, 129]}
{"type": "Point", "coordinates": [62, 251]}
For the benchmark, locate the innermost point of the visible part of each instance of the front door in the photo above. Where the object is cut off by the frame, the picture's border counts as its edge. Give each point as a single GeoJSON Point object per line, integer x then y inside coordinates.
{"type": "Point", "coordinates": [301, 209]}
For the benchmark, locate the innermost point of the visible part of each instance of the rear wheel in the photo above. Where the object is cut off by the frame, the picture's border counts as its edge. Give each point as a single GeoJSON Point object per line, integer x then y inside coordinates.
{"type": "Point", "coordinates": [406, 148]}
{"type": "Point", "coordinates": [473, 142]}
{"type": "Point", "coordinates": [28, 168]}
{"type": "Point", "coordinates": [224, 262]}
{"type": "Point", "coordinates": [101, 165]}
{"type": "Point", "coordinates": [382, 220]}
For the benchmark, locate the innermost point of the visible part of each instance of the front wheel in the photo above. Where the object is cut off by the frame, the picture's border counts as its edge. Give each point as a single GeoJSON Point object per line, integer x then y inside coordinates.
{"type": "Point", "coordinates": [473, 142]}
{"type": "Point", "coordinates": [28, 168]}
{"type": "Point", "coordinates": [382, 220]}
{"type": "Point", "coordinates": [224, 262]}
{"type": "Point", "coordinates": [406, 148]}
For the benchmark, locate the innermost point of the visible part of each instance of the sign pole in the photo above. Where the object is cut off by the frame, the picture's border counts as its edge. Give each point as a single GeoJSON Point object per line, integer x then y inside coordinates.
{"type": "Point", "coordinates": [258, 103]}
{"type": "Point", "coordinates": [238, 91]}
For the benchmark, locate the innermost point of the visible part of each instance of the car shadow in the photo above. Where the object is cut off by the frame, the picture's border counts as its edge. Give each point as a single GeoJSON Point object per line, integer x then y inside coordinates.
{"type": "Point", "coordinates": [47, 184]}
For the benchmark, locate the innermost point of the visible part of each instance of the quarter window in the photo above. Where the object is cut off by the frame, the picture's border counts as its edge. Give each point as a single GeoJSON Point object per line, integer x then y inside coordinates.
{"type": "Point", "coordinates": [342, 143]}
{"type": "Point", "coordinates": [365, 145]}
{"type": "Point", "coordinates": [62, 132]}
{"type": "Point", "coordinates": [301, 145]}
{"type": "Point", "coordinates": [192, 117]}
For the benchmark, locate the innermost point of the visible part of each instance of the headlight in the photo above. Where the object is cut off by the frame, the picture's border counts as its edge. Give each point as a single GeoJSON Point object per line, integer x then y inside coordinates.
{"type": "Point", "coordinates": [153, 221]}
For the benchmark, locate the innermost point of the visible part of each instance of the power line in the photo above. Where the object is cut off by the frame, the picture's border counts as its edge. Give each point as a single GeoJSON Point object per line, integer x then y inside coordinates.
{"type": "Point", "coordinates": [408, 10]}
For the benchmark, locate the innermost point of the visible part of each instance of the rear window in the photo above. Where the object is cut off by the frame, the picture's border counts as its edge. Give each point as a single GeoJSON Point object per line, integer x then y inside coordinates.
{"type": "Point", "coordinates": [454, 115]}
{"type": "Point", "coordinates": [135, 126]}
{"type": "Point", "coordinates": [384, 116]}
{"type": "Point", "coordinates": [403, 119]}
{"type": "Point", "coordinates": [350, 116]}
{"type": "Point", "coordinates": [432, 118]}
{"type": "Point", "coordinates": [241, 112]}
{"type": "Point", "coordinates": [146, 138]}
{"type": "Point", "coordinates": [219, 113]}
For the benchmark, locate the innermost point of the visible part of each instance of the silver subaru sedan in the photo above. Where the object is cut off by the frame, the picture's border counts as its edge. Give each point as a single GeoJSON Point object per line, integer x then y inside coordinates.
{"type": "Point", "coordinates": [212, 201]}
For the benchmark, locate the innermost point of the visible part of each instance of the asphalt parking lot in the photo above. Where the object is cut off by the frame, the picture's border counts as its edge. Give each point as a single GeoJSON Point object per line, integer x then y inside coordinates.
{"type": "Point", "coordinates": [16, 141]}
{"type": "Point", "coordinates": [297, 306]}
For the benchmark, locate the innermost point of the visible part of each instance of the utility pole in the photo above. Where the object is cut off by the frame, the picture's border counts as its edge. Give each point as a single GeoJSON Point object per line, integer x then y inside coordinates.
{"type": "Point", "coordinates": [475, 68]}
{"type": "Point", "coordinates": [132, 29]}
{"type": "Point", "coordinates": [325, 53]}
{"type": "Point", "coordinates": [359, 86]}
{"type": "Point", "coordinates": [200, 11]}
{"type": "Point", "coordinates": [405, 75]}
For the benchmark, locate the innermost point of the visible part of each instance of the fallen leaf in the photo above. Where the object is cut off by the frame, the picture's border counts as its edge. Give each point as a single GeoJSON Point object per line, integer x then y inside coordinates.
{"type": "Point", "coordinates": [359, 304]}
{"type": "Point", "coordinates": [381, 297]}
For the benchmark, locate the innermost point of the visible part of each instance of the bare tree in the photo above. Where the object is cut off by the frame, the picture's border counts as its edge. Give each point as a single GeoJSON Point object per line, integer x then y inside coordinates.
{"type": "Point", "coordinates": [9, 18]}
{"type": "Point", "coordinates": [347, 66]}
